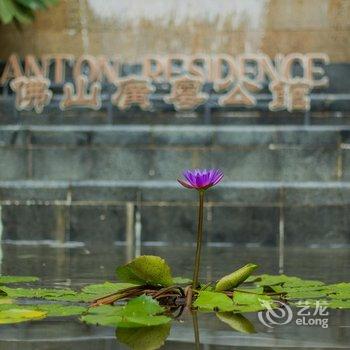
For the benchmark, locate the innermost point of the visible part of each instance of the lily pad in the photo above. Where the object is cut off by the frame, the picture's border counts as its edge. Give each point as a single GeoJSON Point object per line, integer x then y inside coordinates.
{"type": "Point", "coordinates": [234, 279]}
{"type": "Point", "coordinates": [181, 280]}
{"type": "Point", "coordinates": [303, 294]}
{"type": "Point", "coordinates": [244, 298]}
{"type": "Point", "coordinates": [17, 315]}
{"type": "Point", "coordinates": [142, 311]}
{"type": "Point", "coordinates": [36, 292]}
{"type": "Point", "coordinates": [213, 301]}
{"type": "Point", "coordinates": [146, 269]}
{"type": "Point", "coordinates": [286, 281]}
{"type": "Point", "coordinates": [99, 290]}
{"type": "Point", "coordinates": [57, 310]}
{"type": "Point", "coordinates": [339, 304]}
{"type": "Point", "coordinates": [5, 300]}
{"type": "Point", "coordinates": [17, 279]}
{"type": "Point", "coordinates": [144, 338]}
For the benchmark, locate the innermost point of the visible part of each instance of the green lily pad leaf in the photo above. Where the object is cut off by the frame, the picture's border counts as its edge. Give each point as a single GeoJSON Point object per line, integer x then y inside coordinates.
{"type": "Point", "coordinates": [5, 300]}
{"type": "Point", "coordinates": [142, 311]}
{"type": "Point", "coordinates": [339, 304]}
{"type": "Point", "coordinates": [181, 280]}
{"type": "Point", "coordinates": [339, 296]}
{"type": "Point", "coordinates": [343, 288]}
{"type": "Point", "coordinates": [257, 290]}
{"type": "Point", "coordinates": [56, 310]}
{"type": "Point", "coordinates": [304, 294]}
{"type": "Point", "coordinates": [144, 338]}
{"type": "Point", "coordinates": [252, 279]}
{"type": "Point", "coordinates": [253, 307]}
{"type": "Point", "coordinates": [236, 321]}
{"type": "Point", "coordinates": [312, 303]}
{"type": "Point", "coordinates": [17, 279]}
{"type": "Point", "coordinates": [244, 298]}
{"type": "Point", "coordinates": [234, 279]}
{"type": "Point", "coordinates": [213, 301]}
{"type": "Point", "coordinates": [303, 284]}
{"type": "Point", "coordinates": [249, 302]}
{"type": "Point", "coordinates": [286, 281]}
{"type": "Point", "coordinates": [17, 315]}
{"type": "Point", "coordinates": [37, 292]}
{"type": "Point", "coordinates": [100, 290]}
{"type": "Point", "coordinates": [146, 269]}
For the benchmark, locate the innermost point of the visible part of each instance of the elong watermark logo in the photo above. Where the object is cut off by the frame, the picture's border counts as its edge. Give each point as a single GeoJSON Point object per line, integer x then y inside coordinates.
{"type": "Point", "coordinates": [304, 315]}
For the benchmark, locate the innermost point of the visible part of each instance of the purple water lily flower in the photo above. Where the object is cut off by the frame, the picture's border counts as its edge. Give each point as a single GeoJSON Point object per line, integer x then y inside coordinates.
{"type": "Point", "coordinates": [201, 179]}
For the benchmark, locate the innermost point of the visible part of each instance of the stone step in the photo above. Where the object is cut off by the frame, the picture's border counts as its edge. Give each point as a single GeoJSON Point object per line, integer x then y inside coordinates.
{"type": "Point", "coordinates": [259, 153]}
{"type": "Point", "coordinates": [273, 214]}
{"type": "Point", "coordinates": [327, 109]}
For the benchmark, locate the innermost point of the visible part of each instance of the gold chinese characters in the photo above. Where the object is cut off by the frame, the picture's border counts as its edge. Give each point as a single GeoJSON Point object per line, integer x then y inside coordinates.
{"type": "Point", "coordinates": [192, 81]}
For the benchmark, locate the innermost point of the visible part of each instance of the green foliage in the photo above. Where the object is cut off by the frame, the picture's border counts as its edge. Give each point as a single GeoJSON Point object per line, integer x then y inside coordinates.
{"type": "Point", "coordinates": [22, 11]}
{"type": "Point", "coordinates": [42, 293]}
{"type": "Point", "coordinates": [236, 278]}
{"type": "Point", "coordinates": [237, 322]}
{"type": "Point", "coordinates": [339, 304]}
{"type": "Point", "coordinates": [181, 280]}
{"type": "Point", "coordinates": [96, 291]}
{"type": "Point", "coordinates": [291, 281]}
{"type": "Point", "coordinates": [17, 315]}
{"type": "Point", "coordinates": [250, 302]}
{"type": "Point", "coordinates": [57, 310]}
{"type": "Point", "coordinates": [144, 338]}
{"type": "Point", "coordinates": [17, 279]}
{"type": "Point", "coordinates": [213, 301]}
{"type": "Point", "coordinates": [142, 311]}
{"type": "Point", "coordinates": [244, 298]}
{"type": "Point", "coordinates": [146, 269]}
{"type": "Point", "coordinates": [240, 303]}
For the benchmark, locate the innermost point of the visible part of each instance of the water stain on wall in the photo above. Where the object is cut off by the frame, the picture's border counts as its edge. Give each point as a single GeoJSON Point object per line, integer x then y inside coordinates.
{"type": "Point", "coordinates": [132, 28]}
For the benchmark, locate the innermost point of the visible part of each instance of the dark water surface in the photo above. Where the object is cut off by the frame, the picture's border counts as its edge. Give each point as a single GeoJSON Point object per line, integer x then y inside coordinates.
{"type": "Point", "coordinates": [75, 265]}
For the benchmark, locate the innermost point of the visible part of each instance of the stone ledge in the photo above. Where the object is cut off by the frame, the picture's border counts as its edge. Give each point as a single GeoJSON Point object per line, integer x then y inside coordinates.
{"type": "Point", "coordinates": [40, 136]}
{"type": "Point", "coordinates": [237, 194]}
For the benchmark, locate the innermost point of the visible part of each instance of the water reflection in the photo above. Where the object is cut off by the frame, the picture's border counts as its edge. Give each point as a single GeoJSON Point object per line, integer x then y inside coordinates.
{"type": "Point", "coordinates": [154, 337]}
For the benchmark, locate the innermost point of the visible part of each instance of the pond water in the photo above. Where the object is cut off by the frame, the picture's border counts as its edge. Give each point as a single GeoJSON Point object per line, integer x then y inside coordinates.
{"type": "Point", "coordinates": [75, 264]}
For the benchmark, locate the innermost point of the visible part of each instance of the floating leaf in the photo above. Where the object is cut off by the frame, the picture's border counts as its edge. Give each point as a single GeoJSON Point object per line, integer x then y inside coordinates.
{"type": "Point", "coordinates": [5, 300]}
{"type": "Point", "coordinates": [36, 292]}
{"type": "Point", "coordinates": [144, 338]}
{"type": "Point", "coordinates": [17, 315]}
{"type": "Point", "coordinates": [213, 301]}
{"type": "Point", "coordinates": [146, 269]}
{"type": "Point", "coordinates": [100, 290]}
{"type": "Point", "coordinates": [303, 294]}
{"type": "Point", "coordinates": [253, 307]}
{"type": "Point", "coordinates": [300, 283]}
{"type": "Point", "coordinates": [56, 310]}
{"type": "Point", "coordinates": [339, 304]}
{"type": "Point", "coordinates": [257, 290]}
{"type": "Point", "coordinates": [236, 321]}
{"type": "Point", "coordinates": [181, 280]}
{"type": "Point", "coordinates": [286, 281]}
{"type": "Point", "coordinates": [244, 298]}
{"type": "Point", "coordinates": [339, 288]}
{"type": "Point", "coordinates": [139, 312]}
{"type": "Point", "coordinates": [235, 278]}
{"type": "Point", "coordinates": [17, 279]}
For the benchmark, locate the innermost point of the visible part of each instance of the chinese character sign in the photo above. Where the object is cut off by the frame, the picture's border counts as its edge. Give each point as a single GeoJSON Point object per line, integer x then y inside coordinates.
{"type": "Point", "coordinates": [184, 81]}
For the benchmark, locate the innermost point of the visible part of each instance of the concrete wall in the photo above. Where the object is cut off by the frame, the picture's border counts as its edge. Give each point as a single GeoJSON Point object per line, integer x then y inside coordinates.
{"type": "Point", "coordinates": [132, 28]}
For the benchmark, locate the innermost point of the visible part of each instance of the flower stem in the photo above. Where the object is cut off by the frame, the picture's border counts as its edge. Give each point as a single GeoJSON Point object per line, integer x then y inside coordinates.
{"type": "Point", "coordinates": [199, 239]}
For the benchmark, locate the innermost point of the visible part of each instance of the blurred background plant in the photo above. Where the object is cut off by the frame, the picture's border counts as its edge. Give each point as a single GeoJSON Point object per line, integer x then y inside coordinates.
{"type": "Point", "coordinates": [22, 11]}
